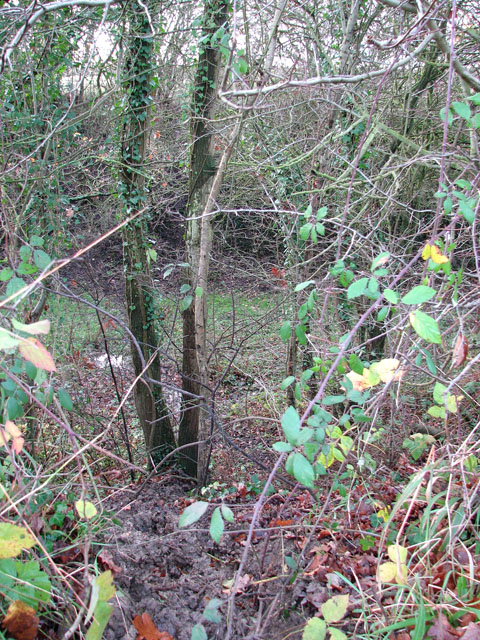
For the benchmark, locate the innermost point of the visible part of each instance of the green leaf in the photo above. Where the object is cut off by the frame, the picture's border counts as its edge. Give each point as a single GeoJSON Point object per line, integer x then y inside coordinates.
{"type": "Point", "coordinates": [287, 382]}
{"type": "Point", "coordinates": [192, 513]}
{"type": "Point", "coordinates": [216, 525]}
{"type": "Point", "coordinates": [285, 331]}
{"type": "Point", "coordinates": [426, 327]}
{"type": "Point", "coordinates": [291, 425]}
{"type": "Point", "coordinates": [303, 470]}
{"type": "Point", "coordinates": [6, 274]}
{"type": "Point", "coordinates": [199, 633]}
{"type": "Point", "coordinates": [439, 391]}
{"type": "Point", "coordinates": [391, 296]}
{"type": "Point", "coordinates": [419, 294]}
{"type": "Point", "coordinates": [329, 400]}
{"type": "Point", "coordinates": [36, 328]}
{"type": "Point", "coordinates": [334, 609]}
{"type": "Point", "coordinates": [315, 629]}
{"type": "Point", "coordinates": [356, 364]}
{"type": "Point", "coordinates": [436, 412]}
{"type": "Point", "coordinates": [199, 292]}
{"type": "Point", "coordinates": [41, 259]}
{"type": "Point", "coordinates": [210, 612]}
{"type": "Point", "coordinates": [186, 302]}
{"type": "Point", "coordinates": [227, 513]}
{"type": "Point", "coordinates": [65, 400]}
{"type": "Point", "coordinates": [14, 285]}
{"type": "Point", "coordinates": [305, 231]}
{"type": "Point", "coordinates": [357, 288]}
{"type": "Point", "coordinates": [101, 616]}
{"type": "Point", "coordinates": [448, 206]}
{"type": "Point", "coordinates": [36, 241]}
{"type": "Point", "coordinates": [467, 211]}
{"type": "Point", "coordinates": [300, 332]}
{"type": "Point", "coordinates": [7, 341]}
{"type": "Point", "coordinates": [382, 314]}
{"type": "Point", "coordinates": [185, 288]}
{"type": "Point", "coordinates": [304, 285]}
{"type": "Point", "coordinates": [462, 110]}
{"type": "Point", "coordinates": [282, 447]}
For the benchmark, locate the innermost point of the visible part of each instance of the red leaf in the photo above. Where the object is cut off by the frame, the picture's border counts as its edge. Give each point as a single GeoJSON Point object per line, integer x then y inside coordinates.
{"type": "Point", "coordinates": [460, 351]}
{"type": "Point", "coordinates": [147, 630]}
{"type": "Point", "coordinates": [34, 351]}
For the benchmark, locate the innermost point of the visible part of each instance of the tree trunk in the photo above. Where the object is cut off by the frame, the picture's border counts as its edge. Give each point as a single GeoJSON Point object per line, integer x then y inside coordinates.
{"type": "Point", "coordinates": [151, 409]}
{"type": "Point", "coordinates": [196, 422]}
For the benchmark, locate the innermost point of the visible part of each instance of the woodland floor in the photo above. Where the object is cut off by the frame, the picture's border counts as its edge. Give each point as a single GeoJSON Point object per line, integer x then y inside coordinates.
{"type": "Point", "coordinates": [300, 554]}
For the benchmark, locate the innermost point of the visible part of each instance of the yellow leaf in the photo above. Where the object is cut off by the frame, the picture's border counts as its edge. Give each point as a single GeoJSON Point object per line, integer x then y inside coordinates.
{"type": "Point", "coordinates": [386, 369]}
{"type": "Point", "coordinates": [397, 553]}
{"type": "Point", "coordinates": [426, 252]}
{"type": "Point", "coordinates": [384, 514]}
{"type": "Point", "coordinates": [13, 539]}
{"type": "Point", "coordinates": [387, 572]}
{"type": "Point", "coordinates": [359, 383]}
{"type": "Point", "coordinates": [85, 509]}
{"type": "Point", "coordinates": [106, 589]}
{"type": "Point", "coordinates": [401, 577]}
{"type": "Point", "coordinates": [437, 255]}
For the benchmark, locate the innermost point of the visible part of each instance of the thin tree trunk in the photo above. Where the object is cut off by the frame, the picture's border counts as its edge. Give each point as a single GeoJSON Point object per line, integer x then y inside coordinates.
{"type": "Point", "coordinates": [195, 422]}
{"type": "Point", "coordinates": [151, 409]}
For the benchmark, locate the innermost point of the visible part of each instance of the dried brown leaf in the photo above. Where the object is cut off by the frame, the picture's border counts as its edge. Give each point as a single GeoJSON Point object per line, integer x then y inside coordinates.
{"type": "Point", "coordinates": [441, 629]}
{"type": "Point", "coordinates": [147, 630]}
{"type": "Point", "coordinates": [21, 622]}
{"type": "Point", "coordinates": [460, 351]}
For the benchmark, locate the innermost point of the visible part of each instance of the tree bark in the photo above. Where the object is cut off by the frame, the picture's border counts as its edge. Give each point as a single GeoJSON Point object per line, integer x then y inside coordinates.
{"type": "Point", "coordinates": [150, 405]}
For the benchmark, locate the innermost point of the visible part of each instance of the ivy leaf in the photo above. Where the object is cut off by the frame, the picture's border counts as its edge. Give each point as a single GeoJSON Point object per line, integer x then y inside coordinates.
{"type": "Point", "coordinates": [418, 295]}
{"type": "Point", "coordinates": [192, 513]}
{"type": "Point", "coordinates": [426, 327]}
{"type": "Point", "coordinates": [303, 470]}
